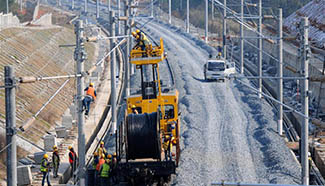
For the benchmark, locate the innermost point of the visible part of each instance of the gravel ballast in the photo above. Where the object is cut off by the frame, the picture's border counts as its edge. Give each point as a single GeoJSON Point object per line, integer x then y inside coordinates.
{"type": "Point", "coordinates": [228, 134]}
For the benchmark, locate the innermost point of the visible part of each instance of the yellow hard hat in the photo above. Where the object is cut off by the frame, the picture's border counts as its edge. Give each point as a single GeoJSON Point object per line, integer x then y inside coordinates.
{"type": "Point", "coordinates": [69, 147]}
{"type": "Point", "coordinates": [107, 160]}
{"type": "Point", "coordinates": [95, 154]}
{"type": "Point", "coordinates": [91, 84]}
{"type": "Point", "coordinates": [46, 156]}
{"type": "Point", "coordinates": [167, 136]}
{"type": "Point", "coordinates": [137, 37]}
{"type": "Point", "coordinates": [114, 154]}
{"type": "Point", "coordinates": [137, 31]}
{"type": "Point", "coordinates": [55, 147]}
{"type": "Point", "coordinates": [102, 143]}
{"type": "Point", "coordinates": [103, 156]}
{"type": "Point", "coordinates": [109, 156]}
{"type": "Point", "coordinates": [134, 34]}
{"type": "Point", "coordinates": [133, 106]}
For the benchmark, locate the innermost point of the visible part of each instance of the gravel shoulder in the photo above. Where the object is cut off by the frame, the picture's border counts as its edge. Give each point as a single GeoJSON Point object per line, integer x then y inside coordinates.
{"type": "Point", "coordinates": [227, 132]}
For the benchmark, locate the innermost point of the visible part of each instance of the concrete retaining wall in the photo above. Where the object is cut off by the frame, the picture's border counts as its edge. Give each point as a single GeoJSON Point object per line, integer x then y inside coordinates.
{"type": "Point", "coordinates": [45, 20]}
{"type": "Point", "coordinates": [8, 20]}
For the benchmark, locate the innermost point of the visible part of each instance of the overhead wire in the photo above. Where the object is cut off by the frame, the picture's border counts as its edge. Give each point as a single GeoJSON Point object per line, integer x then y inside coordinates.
{"type": "Point", "coordinates": [5, 147]}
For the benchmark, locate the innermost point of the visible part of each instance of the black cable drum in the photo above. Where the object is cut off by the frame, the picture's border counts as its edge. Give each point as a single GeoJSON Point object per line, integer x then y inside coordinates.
{"type": "Point", "coordinates": [143, 138]}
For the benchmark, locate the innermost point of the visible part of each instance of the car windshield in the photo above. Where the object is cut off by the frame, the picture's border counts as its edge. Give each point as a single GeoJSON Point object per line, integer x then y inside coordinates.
{"type": "Point", "coordinates": [216, 66]}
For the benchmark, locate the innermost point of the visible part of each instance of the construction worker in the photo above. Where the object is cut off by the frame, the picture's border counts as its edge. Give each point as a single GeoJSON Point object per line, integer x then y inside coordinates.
{"type": "Point", "coordinates": [96, 159]}
{"type": "Point", "coordinates": [104, 173]}
{"type": "Point", "coordinates": [113, 168]}
{"type": "Point", "coordinates": [45, 167]}
{"type": "Point", "coordinates": [310, 161]}
{"type": "Point", "coordinates": [94, 164]}
{"type": "Point", "coordinates": [100, 163]}
{"type": "Point", "coordinates": [101, 150]}
{"type": "Point", "coordinates": [55, 161]}
{"type": "Point", "coordinates": [134, 109]}
{"type": "Point", "coordinates": [72, 159]}
{"type": "Point", "coordinates": [114, 160]}
{"type": "Point", "coordinates": [143, 41]}
{"type": "Point", "coordinates": [109, 156]}
{"type": "Point", "coordinates": [219, 49]}
{"type": "Point", "coordinates": [166, 146]}
{"type": "Point", "coordinates": [139, 43]}
{"type": "Point", "coordinates": [90, 97]}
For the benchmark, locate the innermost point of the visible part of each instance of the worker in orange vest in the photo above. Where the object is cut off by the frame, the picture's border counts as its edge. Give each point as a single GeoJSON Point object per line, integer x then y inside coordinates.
{"type": "Point", "coordinates": [100, 162]}
{"type": "Point", "coordinates": [90, 97]}
{"type": "Point", "coordinates": [72, 160]}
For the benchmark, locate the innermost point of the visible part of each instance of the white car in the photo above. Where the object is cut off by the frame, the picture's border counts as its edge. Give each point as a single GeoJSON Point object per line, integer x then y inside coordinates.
{"type": "Point", "coordinates": [218, 69]}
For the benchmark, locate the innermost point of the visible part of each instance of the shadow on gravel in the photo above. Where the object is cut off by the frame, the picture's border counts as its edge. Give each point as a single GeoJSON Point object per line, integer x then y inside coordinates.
{"type": "Point", "coordinates": [200, 80]}
{"type": "Point", "coordinates": [265, 135]}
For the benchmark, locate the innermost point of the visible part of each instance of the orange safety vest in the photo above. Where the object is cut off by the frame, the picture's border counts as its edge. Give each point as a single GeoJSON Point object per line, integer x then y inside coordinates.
{"type": "Point", "coordinates": [71, 160]}
{"type": "Point", "coordinates": [91, 92]}
{"type": "Point", "coordinates": [100, 163]}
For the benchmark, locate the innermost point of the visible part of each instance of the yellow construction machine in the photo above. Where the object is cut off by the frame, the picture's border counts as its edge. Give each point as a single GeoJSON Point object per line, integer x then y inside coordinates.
{"type": "Point", "coordinates": [151, 137]}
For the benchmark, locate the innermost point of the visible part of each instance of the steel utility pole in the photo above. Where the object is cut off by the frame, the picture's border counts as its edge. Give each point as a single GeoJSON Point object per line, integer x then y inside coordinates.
{"type": "Point", "coordinates": [151, 8]}
{"type": "Point", "coordinates": [80, 56]}
{"type": "Point", "coordinates": [170, 11]}
{"type": "Point", "coordinates": [59, 2]}
{"type": "Point", "coordinates": [224, 28]}
{"type": "Point", "coordinates": [188, 16]}
{"type": "Point", "coordinates": [128, 67]}
{"type": "Point", "coordinates": [109, 5]}
{"type": "Point", "coordinates": [86, 6]}
{"type": "Point", "coordinates": [131, 69]}
{"type": "Point", "coordinates": [304, 72]}
{"type": "Point", "coordinates": [280, 75]}
{"type": "Point", "coordinates": [118, 17]}
{"type": "Point", "coordinates": [212, 9]}
{"type": "Point", "coordinates": [113, 62]}
{"type": "Point", "coordinates": [260, 46]}
{"type": "Point", "coordinates": [206, 20]}
{"type": "Point", "coordinates": [21, 5]}
{"type": "Point", "coordinates": [97, 9]}
{"type": "Point", "coordinates": [7, 7]}
{"type": "Point", "coordinates": [10, 95]}
{"type": "Point", "coordinates": [72, 4]}
{"type": "Point", "coordinates": [242, 37]}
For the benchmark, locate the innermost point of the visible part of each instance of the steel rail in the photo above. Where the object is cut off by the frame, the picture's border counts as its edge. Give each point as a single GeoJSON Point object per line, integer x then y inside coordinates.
{"type": "Point", "coordinates": [119, 100]}
{"type": "Point", "coordinates": [292, 134]}
{"type": "Point", "coordinates": [287, 122]}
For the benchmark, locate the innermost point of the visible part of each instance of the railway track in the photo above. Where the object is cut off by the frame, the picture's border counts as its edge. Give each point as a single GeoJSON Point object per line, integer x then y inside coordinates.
{"type": "Point", "coordinates": [121, 101]}
{"type": "Point", "coordinates": [169, 68]}
{"type": "Point", "coordinates": [291, 134]}
{"type": "Point", "coordinates": [122, 59]}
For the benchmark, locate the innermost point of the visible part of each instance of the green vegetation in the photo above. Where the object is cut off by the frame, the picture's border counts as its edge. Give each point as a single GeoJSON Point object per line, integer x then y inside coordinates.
{"type": "Point", "coordinates": [25, 15]}
{"type": "Point", "coordinates": [288, 6]}
{"type": "Point", "coordinates": [3, 5]}
{"type": "Point", "coordinates": [197, 8]}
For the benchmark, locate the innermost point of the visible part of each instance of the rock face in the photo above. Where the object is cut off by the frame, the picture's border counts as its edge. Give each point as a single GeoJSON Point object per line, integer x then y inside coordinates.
{"type": "Point", "coordinates": [315, 11]}
{"type": "Point", "coordinates": [8, 20]}
{"type": "Point", "coordinates": [35, 52]}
